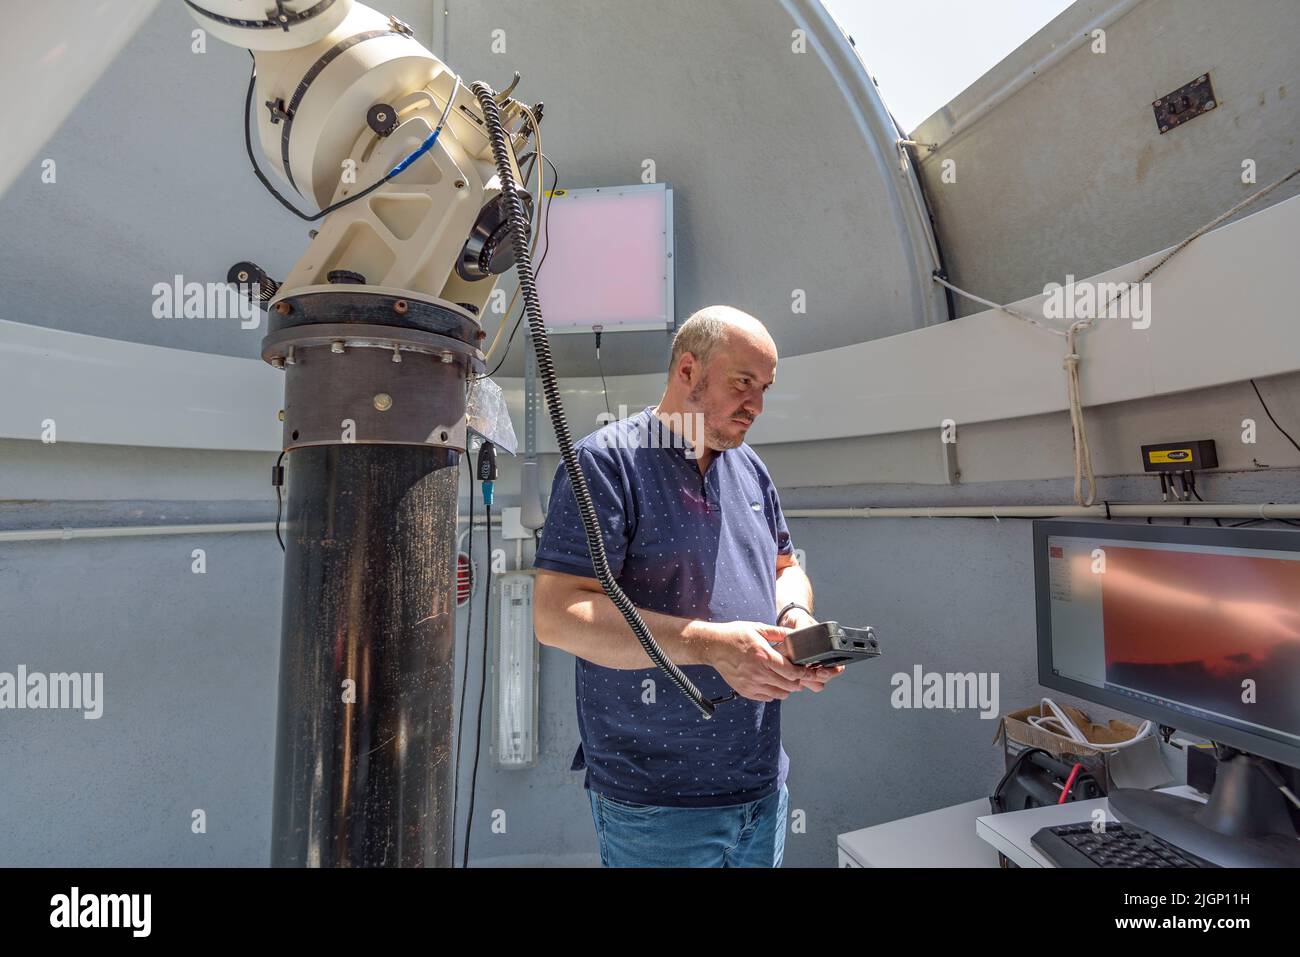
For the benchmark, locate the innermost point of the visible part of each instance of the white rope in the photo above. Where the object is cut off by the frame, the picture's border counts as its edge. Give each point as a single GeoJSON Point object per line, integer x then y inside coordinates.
{"type": "Point", "coordinates": [1083, 474]}
{"type": "Point", "coordinates": [1024, 317]}
{"type": "Point", "coordinates": [1082, 453]}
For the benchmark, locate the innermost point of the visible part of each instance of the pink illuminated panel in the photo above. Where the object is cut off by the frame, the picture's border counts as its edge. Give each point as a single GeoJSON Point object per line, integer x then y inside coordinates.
{"type": "Point", "coordinates": [610, 260]}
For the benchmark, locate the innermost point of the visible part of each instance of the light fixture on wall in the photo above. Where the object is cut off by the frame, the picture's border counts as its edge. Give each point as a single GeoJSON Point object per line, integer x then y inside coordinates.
{"type": "Point", "coordinates": [515, 674]}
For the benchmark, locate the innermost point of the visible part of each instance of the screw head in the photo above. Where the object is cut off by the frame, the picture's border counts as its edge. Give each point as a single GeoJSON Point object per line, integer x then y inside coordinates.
{"type": "Point", "coordinates": [460, 184]}
{"type": "Point", "coordinates": [401, 307]}
{"type": "Point", "coordinates": [283, 308]}
{"type": "Point", "coordinates": [277, 363]}
{"type": "Point", "coordinates": [280, 415]}
{"type": "Point", "coordinates": [337, 346]}
{"type": "Point", "coordinates": [242, 275]}
{"type": "Point", "coordinates": [448, 357]}
{"type": "Point", "coordinates": [383, 401]}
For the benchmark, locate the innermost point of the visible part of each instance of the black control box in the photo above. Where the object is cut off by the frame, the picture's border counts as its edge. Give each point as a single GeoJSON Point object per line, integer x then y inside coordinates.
{"type": "Point", "coordinates": [830, 643]}
{"type": "Point", "coordinates": [1180, 456]}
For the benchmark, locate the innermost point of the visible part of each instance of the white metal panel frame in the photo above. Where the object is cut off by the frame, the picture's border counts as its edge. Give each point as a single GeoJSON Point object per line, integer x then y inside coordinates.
{"type": "Point", "coordinates": [668, 264]}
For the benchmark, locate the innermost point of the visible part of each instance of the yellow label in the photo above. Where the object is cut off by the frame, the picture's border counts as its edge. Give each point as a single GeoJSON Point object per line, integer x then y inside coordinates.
{"type": "Point", "coordinates": [1169, 456]}
{"type": "Point", "coordinates": [555, 192]}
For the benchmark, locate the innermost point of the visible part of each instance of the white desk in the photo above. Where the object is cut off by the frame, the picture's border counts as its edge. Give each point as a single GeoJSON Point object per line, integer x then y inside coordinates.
{"type": "Point", "coordinates": [1010, 833]}
{"type": "Point", "coordinates": [942, 838]}
{"type": "Point", "coordinates": [967, 835]}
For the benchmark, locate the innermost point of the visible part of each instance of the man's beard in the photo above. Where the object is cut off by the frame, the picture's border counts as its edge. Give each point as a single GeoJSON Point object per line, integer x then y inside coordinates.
{"type": "Point", "coordinates": [719, 442]}
{"type": "Point", "coordinates": [713, 439]}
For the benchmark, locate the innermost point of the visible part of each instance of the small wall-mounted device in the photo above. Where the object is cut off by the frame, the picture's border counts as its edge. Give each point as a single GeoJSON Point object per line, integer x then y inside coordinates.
{"type": "Point", "coordinates": [1180, 456]}
{"type": "Point", "coordinates": [1187, 102]}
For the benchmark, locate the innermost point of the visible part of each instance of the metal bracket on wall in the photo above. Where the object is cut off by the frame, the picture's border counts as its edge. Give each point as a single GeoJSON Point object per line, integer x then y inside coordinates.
{"type": "Point", "coordinates": [950, 467]}
{"type": "Point", "coordinates": [1188, 101]}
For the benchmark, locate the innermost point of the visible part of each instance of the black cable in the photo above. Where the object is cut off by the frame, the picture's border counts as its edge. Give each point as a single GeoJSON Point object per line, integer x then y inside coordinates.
{"type": "Point", "coordinates": [511, 339]}
{"type": "Point", "coordinates": [464, 677]}
{"type": "Point", "coordinates": [600, 368]}
{"type": "Point", "coordinates": [277, 474]}
{"type": "Point", "coordinates": [1256, 521]}
{"type": "Point", "coordinates": [248, 147]}
{"type": "Point", "coordinates": [482, 693]}
{"type": "Point", "coordinates": [1191, 481]}
{"type": "Point", "coordinates": [486, 472]}
{"type": "Point", "coordinates": [546, 236]}
{"type": "Point", "coordinates": [311, 218]}
{"type": "Point", "coordinates": [1270, 416]}
{"type": "Point", "coordinates": [555, 405]}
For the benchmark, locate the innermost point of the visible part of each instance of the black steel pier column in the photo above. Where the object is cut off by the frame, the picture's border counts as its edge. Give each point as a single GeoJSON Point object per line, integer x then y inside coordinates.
{"type": "Point", "coordinates": [375, 427]}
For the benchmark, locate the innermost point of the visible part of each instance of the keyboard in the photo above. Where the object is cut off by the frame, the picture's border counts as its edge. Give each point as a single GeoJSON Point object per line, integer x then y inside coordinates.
{"type": "Point", "coordinates": [1119, 845]}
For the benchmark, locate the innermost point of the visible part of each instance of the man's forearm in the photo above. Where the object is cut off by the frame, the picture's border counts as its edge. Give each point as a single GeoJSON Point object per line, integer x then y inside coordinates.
{"type": "Point", "coordinates": [588, 625]}
{"type": "Point", "coordinates": [792, 585]}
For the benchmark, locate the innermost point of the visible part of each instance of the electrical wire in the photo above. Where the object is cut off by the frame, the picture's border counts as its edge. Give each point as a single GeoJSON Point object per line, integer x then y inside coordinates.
{"type": "Point", "coordinates": [1058, 722]}
{"type": "Point", "coordinates": [1069, 783]}
{"type": "Point", "coordinates": [546, 228]}
{"type": "Point", "coordinates": [1268, 413]}
{"type": "Point", "coordinates": [1191, 480]}
{"type": "Point", "coordinates": [279, 500]}
{"type": "Point", "coordinates": [601, 369]}
{"type": "Point", "coordinates": [555, 407]}
{"type": "Point", "coordinates": [1275, 778]}
{"type": "Point", "coordinates": [482, 690]}
{"type": "Point", "coordinates": [464, 677]}
{"type": "Point", "coordinates": [537, 205]}
{"type": "Point", "coordinates": [423, 148]}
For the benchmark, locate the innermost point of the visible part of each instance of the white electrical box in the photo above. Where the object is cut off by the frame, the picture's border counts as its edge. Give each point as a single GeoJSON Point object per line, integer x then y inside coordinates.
{"type": "Point", "coordinates": [512, 528]}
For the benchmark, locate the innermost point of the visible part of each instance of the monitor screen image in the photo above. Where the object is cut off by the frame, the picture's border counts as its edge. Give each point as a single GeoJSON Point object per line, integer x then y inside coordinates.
{"type": "Point", "coordinates": [1209, 632]}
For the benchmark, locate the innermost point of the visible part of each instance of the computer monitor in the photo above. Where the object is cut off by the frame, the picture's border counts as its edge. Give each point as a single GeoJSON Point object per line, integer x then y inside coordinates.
{"type": "Point", "coordinates": [1197, 628]}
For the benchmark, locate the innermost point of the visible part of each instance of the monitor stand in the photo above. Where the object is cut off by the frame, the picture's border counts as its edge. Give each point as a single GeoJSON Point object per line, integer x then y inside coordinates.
{"type": "Point", "coordinates": [1244, 824]}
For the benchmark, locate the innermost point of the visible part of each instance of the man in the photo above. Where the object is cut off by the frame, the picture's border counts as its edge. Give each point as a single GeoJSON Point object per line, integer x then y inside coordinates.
{"type": "Point", "coordinates": [695, 536]}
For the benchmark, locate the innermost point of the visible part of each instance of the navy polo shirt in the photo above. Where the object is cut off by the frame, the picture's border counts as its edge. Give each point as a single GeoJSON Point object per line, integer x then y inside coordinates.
{"type": "Point", "coordinates": [683, 543]}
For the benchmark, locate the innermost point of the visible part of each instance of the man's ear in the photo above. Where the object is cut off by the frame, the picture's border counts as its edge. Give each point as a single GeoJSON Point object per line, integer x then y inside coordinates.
{"type": "Point", "coordinates": [687, 366]}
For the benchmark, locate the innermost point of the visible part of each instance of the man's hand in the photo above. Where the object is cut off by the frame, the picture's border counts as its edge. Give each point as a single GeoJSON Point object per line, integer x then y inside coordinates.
{"type": "Point", "coordinates": [813, 678]}
{"type": "Point", "coordinates": [742, 653]}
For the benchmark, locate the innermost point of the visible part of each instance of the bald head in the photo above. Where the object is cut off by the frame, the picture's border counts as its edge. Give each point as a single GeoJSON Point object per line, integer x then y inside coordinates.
{"type": "Point", "coordinates": [723, 362]}
{"type": "Point", "coordinates": [706, 330]}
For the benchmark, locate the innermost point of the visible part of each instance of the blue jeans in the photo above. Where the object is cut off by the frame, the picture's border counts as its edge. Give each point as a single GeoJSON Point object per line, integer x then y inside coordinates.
{"type": "Point", "coordinates": [642, 835]}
